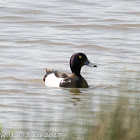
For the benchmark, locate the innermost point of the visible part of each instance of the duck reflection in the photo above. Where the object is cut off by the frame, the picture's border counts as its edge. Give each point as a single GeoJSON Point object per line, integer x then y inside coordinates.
{"type": "Point", "coordinates": [75, 91]}
{"type": "Point", "coordinates": [75, 95]}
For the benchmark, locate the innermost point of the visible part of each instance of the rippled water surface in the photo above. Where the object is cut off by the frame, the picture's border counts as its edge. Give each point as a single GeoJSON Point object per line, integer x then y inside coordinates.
{"type": "Point", "coordinates": [35, 35]}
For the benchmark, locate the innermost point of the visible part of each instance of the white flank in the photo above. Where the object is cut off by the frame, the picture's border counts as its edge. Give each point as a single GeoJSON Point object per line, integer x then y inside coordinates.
{"type": "Point", "coordinates": [52, 81]}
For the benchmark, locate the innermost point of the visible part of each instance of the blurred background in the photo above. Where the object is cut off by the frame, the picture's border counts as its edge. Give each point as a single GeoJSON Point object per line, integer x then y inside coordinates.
{"type": "Point", "coordinates": [38, 34]}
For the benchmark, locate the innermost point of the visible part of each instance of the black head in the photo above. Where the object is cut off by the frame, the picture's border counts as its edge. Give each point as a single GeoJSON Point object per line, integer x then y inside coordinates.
{"type": "Point", "coordinates": [77, 61]}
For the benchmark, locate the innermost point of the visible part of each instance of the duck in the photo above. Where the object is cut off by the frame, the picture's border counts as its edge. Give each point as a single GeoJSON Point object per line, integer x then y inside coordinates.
{"type": "Point", "coordinates": [54, 78]}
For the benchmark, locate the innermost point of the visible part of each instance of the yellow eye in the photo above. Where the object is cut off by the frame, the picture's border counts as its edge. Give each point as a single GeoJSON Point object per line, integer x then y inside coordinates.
{"type": "Point", "coordinates": [80, 56]}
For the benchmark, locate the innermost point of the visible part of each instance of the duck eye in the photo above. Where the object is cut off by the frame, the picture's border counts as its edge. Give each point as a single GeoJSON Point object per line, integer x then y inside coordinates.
{"type": "Point", "coordinates": [80, 56]}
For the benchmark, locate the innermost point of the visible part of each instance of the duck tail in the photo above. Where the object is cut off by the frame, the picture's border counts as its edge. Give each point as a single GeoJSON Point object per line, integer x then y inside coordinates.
{"type": "Point", "coordinates": [48, 71]}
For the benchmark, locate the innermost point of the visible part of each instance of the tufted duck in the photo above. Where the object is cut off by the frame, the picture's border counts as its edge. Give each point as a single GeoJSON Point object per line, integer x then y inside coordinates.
{"type": "Point", "coordinates": [74, 80]}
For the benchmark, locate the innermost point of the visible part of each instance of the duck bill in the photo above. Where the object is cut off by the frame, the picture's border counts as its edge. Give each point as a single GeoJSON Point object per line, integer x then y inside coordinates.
{"type": "Point", "coordinates": [89, 64]}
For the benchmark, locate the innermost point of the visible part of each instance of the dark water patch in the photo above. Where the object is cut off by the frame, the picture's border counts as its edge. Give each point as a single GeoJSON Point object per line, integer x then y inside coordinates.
{"type": "Point", "coordinates": [128, 25]}
{"type": "Point", "coordinates": [11, 78]}
{"type": "Point", "coordinates": [9, 18]}
{"type": "Point", "coordinates": [129, 13]}
{"type": "Point", "coordinates": [38, 22]}
{"type": "Point", "coordinates": [10, 91]}
{"type": "Point", "coordinates": [95, 26]}
{"type": "Point", "coordinates": [96, 47]}
{"type": "Point", "coordinates": [31, 12]}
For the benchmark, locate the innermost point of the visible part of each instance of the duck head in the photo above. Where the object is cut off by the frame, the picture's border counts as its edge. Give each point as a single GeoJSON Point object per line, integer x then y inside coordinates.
{"type": "Point", "coordinates": [78, 60]}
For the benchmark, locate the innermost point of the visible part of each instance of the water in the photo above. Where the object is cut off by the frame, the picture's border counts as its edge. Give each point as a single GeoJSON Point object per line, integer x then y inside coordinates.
{"type": "Point", "coordinates": [35, 35]}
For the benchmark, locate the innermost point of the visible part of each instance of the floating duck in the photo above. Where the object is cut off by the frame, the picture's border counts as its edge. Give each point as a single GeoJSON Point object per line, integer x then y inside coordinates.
{"type": "Point", "coordinates": [74, 80]}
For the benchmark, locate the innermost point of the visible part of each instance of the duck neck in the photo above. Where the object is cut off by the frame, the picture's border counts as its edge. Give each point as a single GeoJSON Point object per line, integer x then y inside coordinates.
{"type": "Point", "coordinates": [76, 71]}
